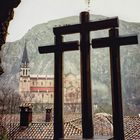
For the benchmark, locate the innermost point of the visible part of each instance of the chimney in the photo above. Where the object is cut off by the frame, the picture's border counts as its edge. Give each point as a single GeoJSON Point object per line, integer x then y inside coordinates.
{"type": "Point", "coordinates": [48, 115]}
{"type": "Point", "coordinates": [25, 114]}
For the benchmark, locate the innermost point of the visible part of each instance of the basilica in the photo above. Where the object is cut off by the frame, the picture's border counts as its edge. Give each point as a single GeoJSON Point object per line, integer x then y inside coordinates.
{"type": "Point", "coordinates": [36, 88]}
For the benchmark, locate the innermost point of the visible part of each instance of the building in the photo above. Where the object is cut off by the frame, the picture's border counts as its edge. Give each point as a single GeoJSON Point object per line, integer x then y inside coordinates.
{"type": "Point", "coordinates": [40, 88]}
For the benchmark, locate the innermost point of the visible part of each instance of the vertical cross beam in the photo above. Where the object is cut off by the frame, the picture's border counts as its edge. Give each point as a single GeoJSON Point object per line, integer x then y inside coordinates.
{"type": "Point", "coordinates": [58, 93]}
{"type": "Point", "coordinates": [114, 42]}
{"type": "Point", "coordinates": [116, 86]}
{"type": "Point", "coordinates": [87, 124]}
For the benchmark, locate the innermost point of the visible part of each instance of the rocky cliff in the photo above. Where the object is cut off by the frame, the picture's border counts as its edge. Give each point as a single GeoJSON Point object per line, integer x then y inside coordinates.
{"type": "Point", "coordinates": [42, 34]}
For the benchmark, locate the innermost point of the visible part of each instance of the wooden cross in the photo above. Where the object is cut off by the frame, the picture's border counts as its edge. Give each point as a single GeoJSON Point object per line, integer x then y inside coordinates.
{"type": "Point", "coordinates": [114, 42]}
{"type": "Point", "coordinates": [58, 50]}
{"type": "Point", "coordinates": [84, 29]}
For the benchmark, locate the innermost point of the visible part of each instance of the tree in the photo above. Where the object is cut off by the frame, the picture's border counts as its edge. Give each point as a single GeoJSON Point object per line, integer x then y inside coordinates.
{"type": "Point", "coordinates": [9, 104]}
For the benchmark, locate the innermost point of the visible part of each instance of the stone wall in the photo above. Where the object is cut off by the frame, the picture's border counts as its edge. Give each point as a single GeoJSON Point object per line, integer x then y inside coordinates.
{"type": "Point", "coordinates": [6, 15]}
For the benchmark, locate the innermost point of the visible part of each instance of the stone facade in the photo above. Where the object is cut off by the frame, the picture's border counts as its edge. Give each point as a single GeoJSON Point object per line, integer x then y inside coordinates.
{"type": "Point", "coordinates": [40, 88]}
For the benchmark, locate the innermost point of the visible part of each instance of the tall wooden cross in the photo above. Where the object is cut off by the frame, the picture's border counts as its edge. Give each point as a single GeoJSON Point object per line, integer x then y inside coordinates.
{"type": "Point", "coordinates": [58, 50]}
{"type": "Point", "coordinates": [114, 42]}
{"type": "Point", "coordinates": [84, 29]}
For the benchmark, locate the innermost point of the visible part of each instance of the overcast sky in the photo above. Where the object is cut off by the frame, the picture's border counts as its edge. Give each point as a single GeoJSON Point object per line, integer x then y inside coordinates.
{"type": "Point", "coordinates": [32, 12]}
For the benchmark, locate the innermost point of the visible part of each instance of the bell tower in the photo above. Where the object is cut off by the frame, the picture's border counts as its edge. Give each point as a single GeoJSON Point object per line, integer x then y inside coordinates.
{"type": "Point", "coordinates": [24, 85]}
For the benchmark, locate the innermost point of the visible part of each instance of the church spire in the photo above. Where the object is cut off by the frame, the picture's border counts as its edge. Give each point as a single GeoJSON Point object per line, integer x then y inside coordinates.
{"type": "Point", "coordinates": [25, 69]}
{"type": "Point", "coordinates": [25, 59]}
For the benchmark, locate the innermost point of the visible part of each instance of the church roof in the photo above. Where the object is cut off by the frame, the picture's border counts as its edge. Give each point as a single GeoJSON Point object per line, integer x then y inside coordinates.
{"type": "Point", "coordinates": [25, 56]}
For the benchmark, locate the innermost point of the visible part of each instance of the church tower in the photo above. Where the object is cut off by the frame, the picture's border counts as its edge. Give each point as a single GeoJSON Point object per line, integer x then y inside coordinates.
{"type": "Point", "coordinates": [24, 85]}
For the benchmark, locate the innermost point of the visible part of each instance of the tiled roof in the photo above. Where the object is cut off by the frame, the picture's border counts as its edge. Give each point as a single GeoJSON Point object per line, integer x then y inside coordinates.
{"type": "Point", "coordinates": [102, 127]}
{"type": "Point", "coordinates": [41, 131]}
{"type": "Point", "coordinates": [132, 128]}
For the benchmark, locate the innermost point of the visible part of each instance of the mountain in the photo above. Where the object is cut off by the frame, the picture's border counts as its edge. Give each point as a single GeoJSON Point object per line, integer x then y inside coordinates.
{"type": "Point", "coordinates": [42, 34]}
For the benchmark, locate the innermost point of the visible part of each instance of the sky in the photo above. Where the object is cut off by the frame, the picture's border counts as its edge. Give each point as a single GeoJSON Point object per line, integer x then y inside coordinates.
{"type": "Point", "coordinates": [32, 12]}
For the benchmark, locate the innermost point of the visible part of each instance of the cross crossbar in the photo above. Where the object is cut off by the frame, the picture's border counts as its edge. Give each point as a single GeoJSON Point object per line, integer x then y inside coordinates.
{"type": "Point", "coordinates": [90, 26]}
{"type": "Point", "coordinates": [107, 41]}
{"type": "Point", "coordinates": [65, 46]}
